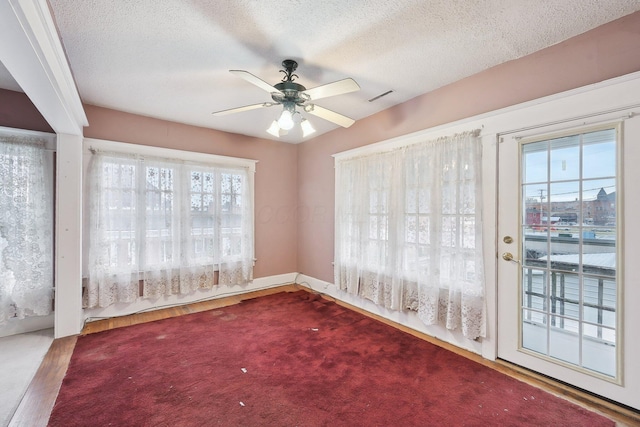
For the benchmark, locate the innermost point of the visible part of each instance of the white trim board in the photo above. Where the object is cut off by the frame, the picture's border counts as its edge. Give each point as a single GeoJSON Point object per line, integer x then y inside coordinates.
{"type": "Point", "coordinates": [68, 290]}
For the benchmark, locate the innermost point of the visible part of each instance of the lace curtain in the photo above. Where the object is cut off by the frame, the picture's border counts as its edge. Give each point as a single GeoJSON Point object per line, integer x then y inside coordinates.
{"type": "Point", "coordinates": [26, 228]}
{"type": "Point", "coordinates": [159, 227]}
{"type": "Point", "coordinates": [408, 231]}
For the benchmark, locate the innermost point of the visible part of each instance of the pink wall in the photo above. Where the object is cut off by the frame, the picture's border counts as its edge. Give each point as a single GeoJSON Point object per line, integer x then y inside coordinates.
{"type": "Point", "coordinates": [17, 111]}
{"type": "Point", "coordinates": [275, 180]}
{"type": "Point", "coordinates": [608, 51]}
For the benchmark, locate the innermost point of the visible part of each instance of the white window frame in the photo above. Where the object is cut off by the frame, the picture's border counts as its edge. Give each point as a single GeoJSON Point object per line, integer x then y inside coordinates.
{"type": "Point", "coordinates": [213, 160]}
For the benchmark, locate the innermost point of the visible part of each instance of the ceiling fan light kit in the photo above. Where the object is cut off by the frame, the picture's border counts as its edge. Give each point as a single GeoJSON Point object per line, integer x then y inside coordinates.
{"type": "Point", "coordinates": [306, 127]}
{"type": "Point", "coordinates": [286, 118]}
{"type": "Point", "coordinates": [275, 130]}
{"type": "Point", "coordinates": [290, 95]}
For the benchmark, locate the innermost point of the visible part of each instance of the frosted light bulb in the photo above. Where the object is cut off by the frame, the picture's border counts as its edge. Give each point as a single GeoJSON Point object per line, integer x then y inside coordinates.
{"type": "Point", "coordinates": [286, 120]}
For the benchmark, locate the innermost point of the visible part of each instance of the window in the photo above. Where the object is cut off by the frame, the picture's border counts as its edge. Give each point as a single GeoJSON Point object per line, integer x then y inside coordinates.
{"type": "Point", "coordinates": [408, 230]}
{"type": "Point", "coordinates": [26, 226]}
{"type": "Point", "coordinates": [166, 226]}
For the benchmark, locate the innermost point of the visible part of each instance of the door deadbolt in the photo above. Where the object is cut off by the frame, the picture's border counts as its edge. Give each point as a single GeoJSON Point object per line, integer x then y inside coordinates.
{"type": "Point", "coordinates": [507, 239]}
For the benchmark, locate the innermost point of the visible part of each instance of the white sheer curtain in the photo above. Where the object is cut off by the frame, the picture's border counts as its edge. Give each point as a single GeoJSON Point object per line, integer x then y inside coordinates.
{"type": "Point", "coordinates": [408, 231]}
{"type": "Point", "coordinates": [166, 227]}
{"type": "Point", "coordinates": [26, 228]}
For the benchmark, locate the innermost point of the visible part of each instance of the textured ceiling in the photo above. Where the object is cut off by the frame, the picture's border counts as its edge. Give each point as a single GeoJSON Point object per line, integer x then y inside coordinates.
{"type": "Point", "coordinates": [170, 58]}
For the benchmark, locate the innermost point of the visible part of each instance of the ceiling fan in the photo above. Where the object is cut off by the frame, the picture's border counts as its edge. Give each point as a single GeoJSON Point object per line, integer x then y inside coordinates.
{"type": "Point", "coordinates": [291, 95]}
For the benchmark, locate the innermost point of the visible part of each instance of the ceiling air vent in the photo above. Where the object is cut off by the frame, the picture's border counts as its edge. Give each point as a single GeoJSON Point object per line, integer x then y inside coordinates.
{"type": "Point", "coordinates": [380, 96]}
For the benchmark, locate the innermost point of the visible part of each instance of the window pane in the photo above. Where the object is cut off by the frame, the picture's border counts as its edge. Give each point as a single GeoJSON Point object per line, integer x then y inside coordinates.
{"type": "Point", "coordinates": [449, 199]}
{"type": "Point", "coordinates": [411, 201]}
{"type": "Point", "coordinates": [424, 200]}
{"type": "Point", "coordinates": [599, 154]}
{"type": "Point", "coordinates": [237, 184]}
{"type": "Point", "coordinates": [534, 289]}
{"type": "Point", "coordinates": [600, 301]}
{"type": "Point", "coordinates": [449, 231]}
{"type": "Point", "coordinates": [127, 176]}
{"type": "Point", "coordinates": [564, 343]}
{"type": "Point", "coordinates": [153, 178]}
{"type": "Point", "coordinates": [565, 294]}
{"type": "Point", "coordinates": [599, 354]}
{"type": "Point", "coordinates": [534, 163]}
{"type": "Point", "coordinates": [196, 202]}
{"type": "Point", "coordinates": [411, 229]}
{"type": "Point", "coordinates": [166, 179]}
{"type": "Point", "coordinates": [534, 331]}
{"type": "Point", "coordinates": [207, 203]}
{"type": "Point", "coordinates": [534, 247]}
{"type": "Point", "coordinates": [208, 182]}
{"type": "Point", "coordinates": [535, 203]}
{"type": "Point", "coordinates": [226, 183]}
{"type": "Point", "coordinates": [565, 158]}
{"type": "Point", "coordinates": [469, 232]}
{"type": "Point", "coordinates": [423, 231]}
{"type": "Point", "coordinates": [196, 181]}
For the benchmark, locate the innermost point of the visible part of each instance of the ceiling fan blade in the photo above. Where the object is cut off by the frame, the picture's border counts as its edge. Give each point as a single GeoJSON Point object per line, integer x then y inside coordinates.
{"type": "Point", "coordinates": [326, 114]}
{"type": "Point", "coordinates": [332, 89]}
{"type": "Point", "coordinates": [245, 108]}
{"type": "Point", "coordinates": [254, 80]}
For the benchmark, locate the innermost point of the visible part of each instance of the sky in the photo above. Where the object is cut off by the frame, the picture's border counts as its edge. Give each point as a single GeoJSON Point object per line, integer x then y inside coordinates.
{"type": "Point", "coordinates": [562, 166]}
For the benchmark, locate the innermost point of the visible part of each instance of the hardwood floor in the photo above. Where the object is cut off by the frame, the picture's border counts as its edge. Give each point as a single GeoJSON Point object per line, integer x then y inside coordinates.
{"type": "Point", "coordinates": [37, 403]}
{"type": "Point", "coordinates": [35, 408]}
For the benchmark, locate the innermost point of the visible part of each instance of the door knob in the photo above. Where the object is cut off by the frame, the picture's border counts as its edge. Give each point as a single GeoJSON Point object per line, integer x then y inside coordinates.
{"type": "Point", "coordinates": [508, 256]}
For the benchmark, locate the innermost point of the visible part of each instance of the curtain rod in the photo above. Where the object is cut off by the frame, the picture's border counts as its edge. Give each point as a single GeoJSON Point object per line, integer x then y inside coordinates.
{"type": "Point", "coordinates": [572, 119]}
{"type": "Point", "coordinates": [401, 143]}
{"type": "Point", "coordinates": [43, 148]}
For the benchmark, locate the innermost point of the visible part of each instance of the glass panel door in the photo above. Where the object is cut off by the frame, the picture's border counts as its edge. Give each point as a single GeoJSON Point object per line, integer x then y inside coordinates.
{"type": "Point", "coordinates": [568, 234]}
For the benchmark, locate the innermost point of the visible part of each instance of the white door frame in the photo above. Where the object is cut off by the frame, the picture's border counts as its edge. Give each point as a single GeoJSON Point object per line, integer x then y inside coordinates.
{"type": "Point", "coordinates": [601, 105]}
{"type": "Point", "coordinates": [508, 272]}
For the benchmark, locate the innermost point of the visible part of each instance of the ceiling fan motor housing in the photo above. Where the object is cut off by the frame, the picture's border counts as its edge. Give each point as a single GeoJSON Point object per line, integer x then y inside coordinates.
{"type": "Point", "coordinates": [290, 92]}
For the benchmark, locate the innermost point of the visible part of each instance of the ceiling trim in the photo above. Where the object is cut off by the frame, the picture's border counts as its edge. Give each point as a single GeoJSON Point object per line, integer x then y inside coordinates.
{"type": "Point", "coordinates": [31, 50]}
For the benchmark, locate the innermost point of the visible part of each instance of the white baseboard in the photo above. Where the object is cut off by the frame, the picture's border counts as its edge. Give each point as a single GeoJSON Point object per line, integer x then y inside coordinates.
{"type": "Point", "coordinates": [405, 318]}
{"type": "Point", "coordinates": [121, 309]}
{"type": "Point", "coordinates": [28, 324]}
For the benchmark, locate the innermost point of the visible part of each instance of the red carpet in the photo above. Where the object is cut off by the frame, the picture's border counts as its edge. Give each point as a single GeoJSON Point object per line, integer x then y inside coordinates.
{"type": "Point", "coordinates": [289, 360]}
